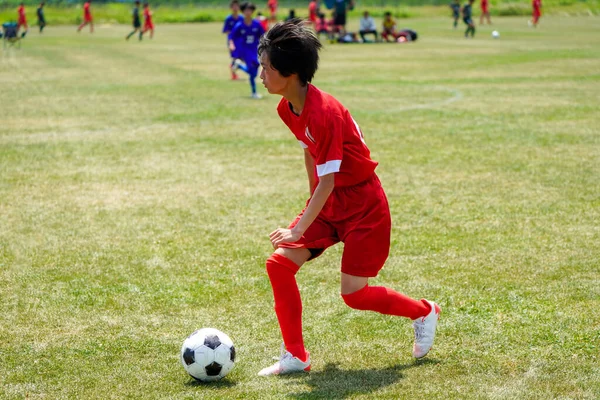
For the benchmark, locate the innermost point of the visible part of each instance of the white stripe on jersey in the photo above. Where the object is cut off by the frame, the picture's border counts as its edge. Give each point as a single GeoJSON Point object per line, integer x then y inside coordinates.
{"type": "Point", "coordinates": [304, 145]}
{"type": "Point", "coordinates": [329, 167]}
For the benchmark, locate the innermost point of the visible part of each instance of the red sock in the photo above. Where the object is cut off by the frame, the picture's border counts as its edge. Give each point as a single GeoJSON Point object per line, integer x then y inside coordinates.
{"type": "Point", "coordinates": [387, 301]}
{"type": "Point", "coordinates": [288, 305]}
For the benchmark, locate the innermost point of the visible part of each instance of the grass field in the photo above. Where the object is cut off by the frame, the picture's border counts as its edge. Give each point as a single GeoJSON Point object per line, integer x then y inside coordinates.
{"type": "Point", "coordinates": [138, 186]}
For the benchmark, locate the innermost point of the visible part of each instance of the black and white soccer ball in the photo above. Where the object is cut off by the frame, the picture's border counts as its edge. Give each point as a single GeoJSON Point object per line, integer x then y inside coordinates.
{"type": "Point", "coordinates": [208, 355]}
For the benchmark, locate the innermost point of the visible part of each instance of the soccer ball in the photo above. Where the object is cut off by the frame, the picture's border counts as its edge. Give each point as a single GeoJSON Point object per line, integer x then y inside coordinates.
{"type": "Point", "coordinates": [495, 34]}
{"type": "Point", "coordinates": [208, 355]}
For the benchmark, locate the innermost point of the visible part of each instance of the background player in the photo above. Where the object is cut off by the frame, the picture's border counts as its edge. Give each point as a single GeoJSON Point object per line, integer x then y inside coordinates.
{"type": "Point", "coordinates": [40, 16]}
{"type": "Point", "coordinates": [87, 17]}
{"type": "Point", "coordinates": [135, 16]}
{"type": "Point", "coordinates": [148, 24]}
{"type": "Point", "coordinates": [313, 13]}
{"type": "Point", "coordinates": [243, 39]}
{"type": "Point", "coordinates": [485, 12]}
{"type": "Point", "coordinates": [455, 6]}
{"type": "Point", "coordinates": [230, 22]}
{"type": "Point", "coordinates": [347, 202]}
{"type": "Point", "coordinates": [272, 5]}
{"type": "Point", "coordinates": [537, 12]}
{"type": "Point", "coordinates": [22, 21]}
{"type": "Point", "coordinates": [468, 18]}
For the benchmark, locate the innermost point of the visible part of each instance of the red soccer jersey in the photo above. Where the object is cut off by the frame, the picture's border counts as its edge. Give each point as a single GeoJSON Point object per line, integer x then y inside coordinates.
{"type": "Point", "coordinates": [332, 137]}
{"type": "Point", "coordinates": [86, 9]}
{"type": "Point", "coordinates": [272, 4]}
{"type": "Point", "coordinates": [537, 4]}
{"type": "Point", "coordinates": [21, 11]}
{"type": "Point", "coordinates": [148, 15]}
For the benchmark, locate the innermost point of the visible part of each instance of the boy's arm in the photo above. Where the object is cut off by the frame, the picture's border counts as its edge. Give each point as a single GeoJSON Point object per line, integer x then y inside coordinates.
{"type": "Point", "coordinates": [309, 162]}
{"type": "Point", "coordinates": [317, 201]}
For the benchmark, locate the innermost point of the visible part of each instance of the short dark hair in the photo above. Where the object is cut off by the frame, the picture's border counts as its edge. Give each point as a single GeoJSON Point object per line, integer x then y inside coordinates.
{"type": "Point", "coordinates": [387, 14]}
{"type": "Point", "coordinates": [292, 48]}
{"type": "Point", "coordinates": [247, 5]}
{"type": "Point", "coordinates": [234, 2]}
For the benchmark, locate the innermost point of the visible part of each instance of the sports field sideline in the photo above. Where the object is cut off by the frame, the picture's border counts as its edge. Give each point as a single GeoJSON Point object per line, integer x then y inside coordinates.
{"type": "Point", "coordinates": [138, 186]}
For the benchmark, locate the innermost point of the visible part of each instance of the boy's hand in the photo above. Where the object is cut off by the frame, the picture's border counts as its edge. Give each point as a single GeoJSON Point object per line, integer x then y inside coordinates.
{"type": "Point", "coordinates": [282, 235]}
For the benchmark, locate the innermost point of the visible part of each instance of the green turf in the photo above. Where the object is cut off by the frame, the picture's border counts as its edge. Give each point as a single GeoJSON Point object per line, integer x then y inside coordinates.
{"type": "Point", "coordinates": [138, 186]}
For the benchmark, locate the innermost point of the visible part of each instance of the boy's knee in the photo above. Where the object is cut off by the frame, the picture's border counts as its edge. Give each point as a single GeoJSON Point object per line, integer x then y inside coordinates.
{"type": "Point", "coordinates": [355, 299]}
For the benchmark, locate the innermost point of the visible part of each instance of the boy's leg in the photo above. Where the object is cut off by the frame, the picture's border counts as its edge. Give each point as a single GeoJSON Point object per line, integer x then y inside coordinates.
{"type": "Point", "coordinates": [357, 294]}
{"type": "Point", "coordinates": [366, 248]}
{"type": "Point", "coordinates": [282, 267]}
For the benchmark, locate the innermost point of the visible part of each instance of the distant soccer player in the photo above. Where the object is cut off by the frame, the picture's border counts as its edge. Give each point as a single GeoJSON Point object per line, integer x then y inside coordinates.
{"type": "Point", "coordinates": [273, 5]}
{"type": "Point", "coordinates": [313, 11]}
{"type": "Point", "coordinates": [347, 202]}
{"type": "Point", "coordinates": [537, 12]}
{"type": "Point", "coordinates": [87, 17]}
{"type": "Point", "coordinates": [468, 18]}
{"type": "Point", "coordinates": [135, 17]}
{"type": "Point", "coordinates": [485, 12]}
{"type": "Point", "coordinates": [243, 39]}
{"type": "Point", "coordinates": [148, 24]}
{"type": "Point", "coordinates": [455, 6]}
{"type": "Point", "coordinates": [22, 21]}
{"type": "Point", "coordinates": [40, 16]}
{"type": "Point", "coordinates": [230, 22]}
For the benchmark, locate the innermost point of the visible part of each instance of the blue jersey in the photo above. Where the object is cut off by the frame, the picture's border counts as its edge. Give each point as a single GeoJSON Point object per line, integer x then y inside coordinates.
{"type": "Point", "coordinates": [230, 22]}
{"type": "Point", "coordinates": [246, 37]}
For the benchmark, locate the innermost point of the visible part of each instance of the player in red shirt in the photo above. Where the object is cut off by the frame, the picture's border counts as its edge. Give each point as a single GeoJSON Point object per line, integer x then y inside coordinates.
{"type": "Point", "coordinates": [148, 24]}
{"type": "Point", "coordinates": [347, 203]}
{"type": "Point", "coordinates": [313, 12]}
{"type": "Point", "coordinates": [272, 4]}
{"type": "Point", "coordinates": [537, 12]}
{"type": "Point", "coordinates": [22, 21]}
{"type": "Point", "coordinates": [485, 12]}
{"type": "Point", "coordinates": [87, 17]}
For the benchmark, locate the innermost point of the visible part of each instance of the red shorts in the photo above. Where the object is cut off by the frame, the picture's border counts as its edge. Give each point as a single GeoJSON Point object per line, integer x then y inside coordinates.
{"type": "Point", "coordinates": [358, 216]}
{"type": "Point", "coordinates": [484, 8]}
{"type": "Point", "coordinates": [87, 18]}
{"type": "Point", "coordinates": [148, 25]}
{"type": "Point", "coordinates": [22, 21]}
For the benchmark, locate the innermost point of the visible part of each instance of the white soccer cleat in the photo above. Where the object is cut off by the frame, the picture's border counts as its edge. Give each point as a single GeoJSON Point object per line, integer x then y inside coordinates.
{"type": "Point", "coordinates": [287, 364]}
{"type": "Point", "coordinates": [425, 331]}
{"type": "Point", "coordinates": [256, 96]}
{"type": "Point", "coordinates": [237, 64]}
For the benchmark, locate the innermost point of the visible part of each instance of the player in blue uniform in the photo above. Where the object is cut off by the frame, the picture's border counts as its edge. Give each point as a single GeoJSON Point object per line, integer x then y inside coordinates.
{"type": "Point", "coordinates": [230, 22]}
{"type": "Point", "coordinates": [243, 40]}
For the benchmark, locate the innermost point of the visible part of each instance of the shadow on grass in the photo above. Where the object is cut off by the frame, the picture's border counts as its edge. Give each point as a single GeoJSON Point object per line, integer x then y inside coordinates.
{"type": "Point", "coordinates": [335, 383]}
{"type": "Point", "coordinates": [218, 385]}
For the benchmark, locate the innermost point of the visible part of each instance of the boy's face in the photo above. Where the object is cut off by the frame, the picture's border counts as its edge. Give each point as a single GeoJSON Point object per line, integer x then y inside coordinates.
{"type": "Point", "coordinates": [248, 12]}
{"type": "Point", "coordinates": [273, 81]}
{"type": "Point", "coordinates": [235, 8]}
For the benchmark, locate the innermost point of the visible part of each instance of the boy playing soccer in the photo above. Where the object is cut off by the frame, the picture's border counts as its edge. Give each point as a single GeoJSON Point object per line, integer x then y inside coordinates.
{"type": "Point", "coordinates": [468, 18]}
{"type": "Point", "coordinates": [347, 202]}
{"type": "Point", "coordinates": [455, 6]}
{"type": "Point", "coordinates": [243, 39]}
{"type": "Point", "coordinates": [22, 21]}
{"type": "Point", "coordinates": [136, 22]}
{"type": "Point", "coordinates": [40, 16]}
{"type": "Point", "coordinates": [537, 13]}
{"type": "Point", "coordinates": [148, 24]}
{"type": "Point", "coordinates": [230, 22]}
{"type": "Point", "coordinates": [87, 17]}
